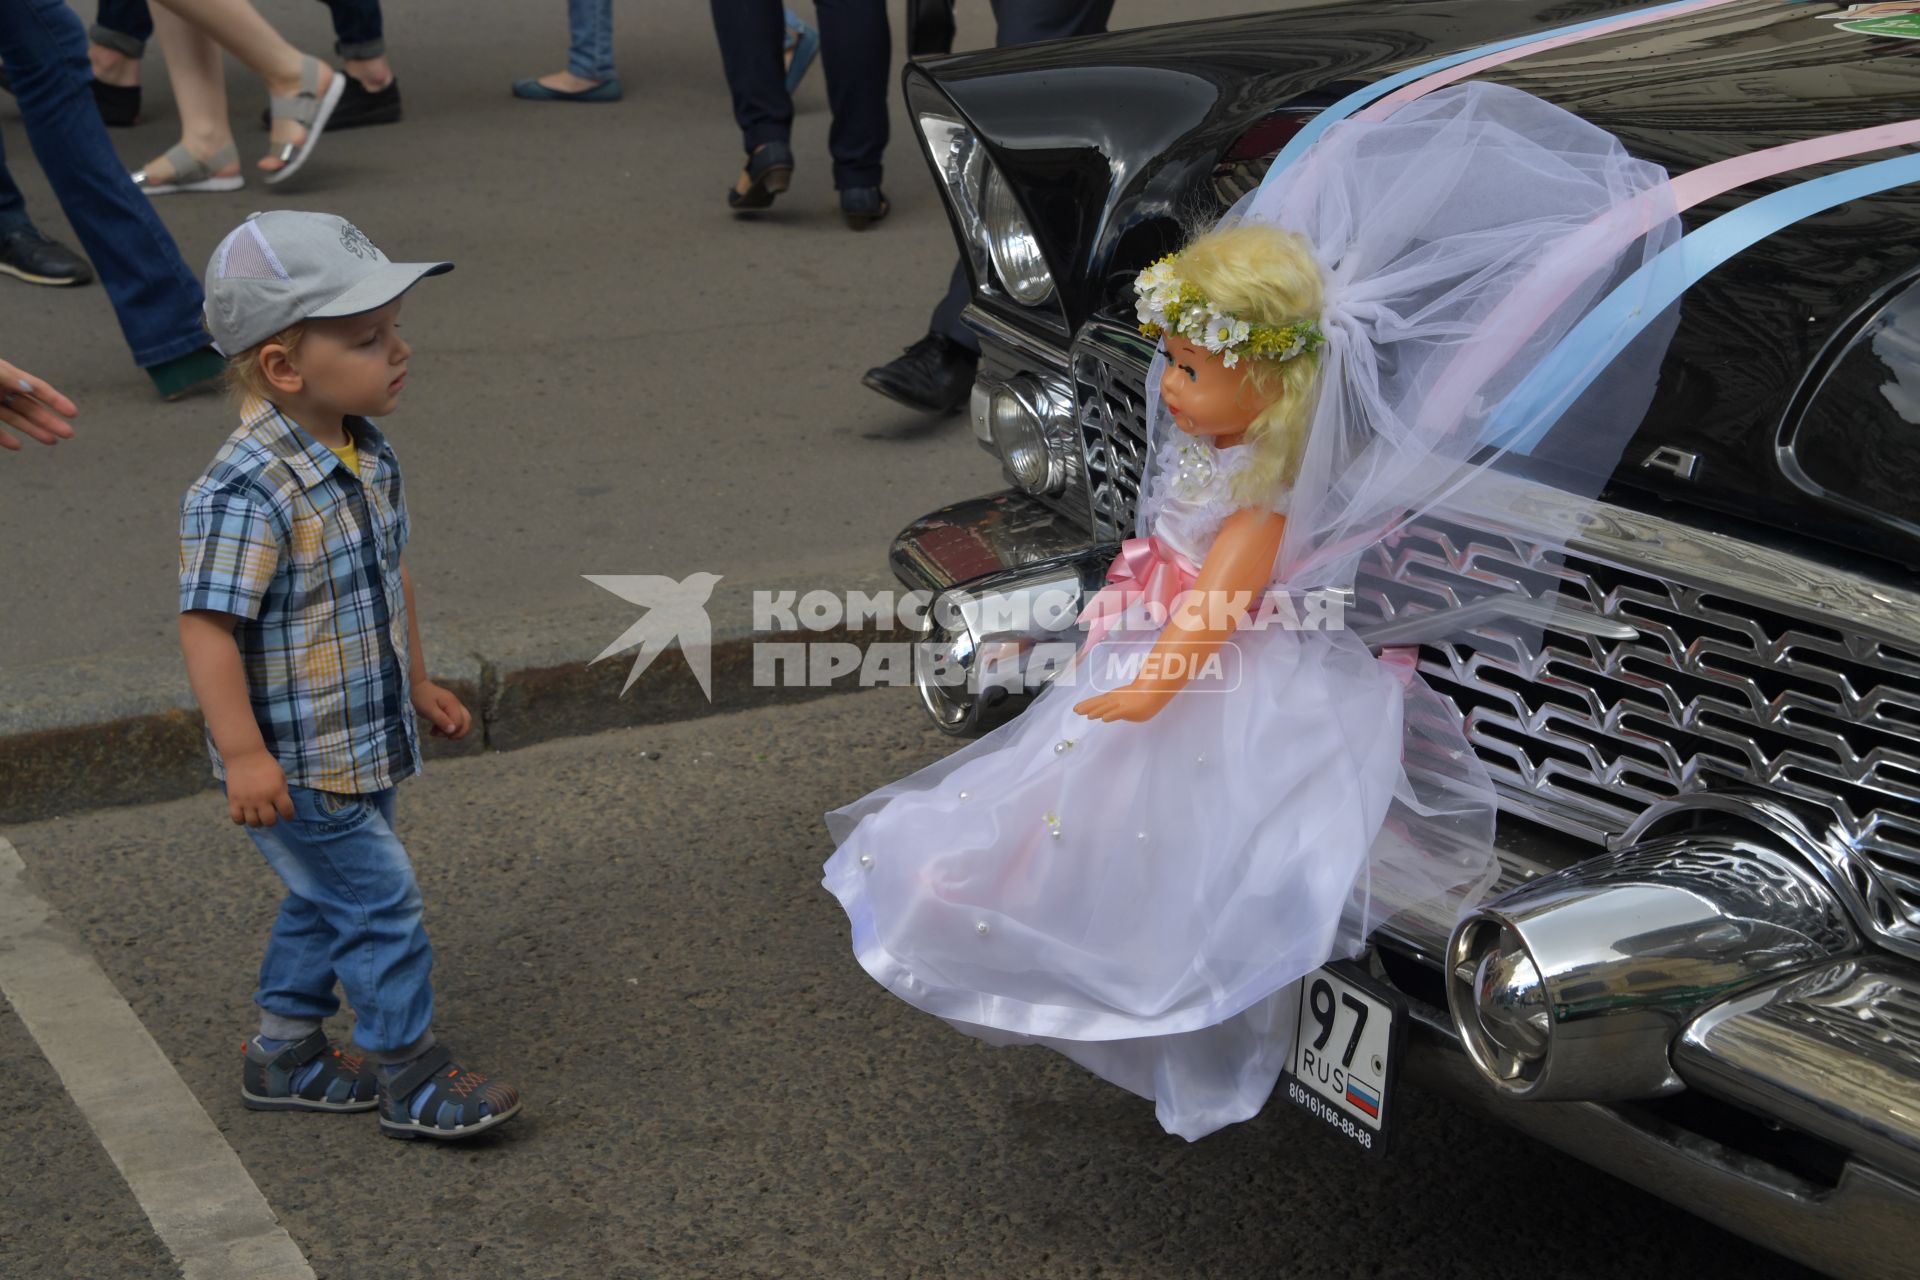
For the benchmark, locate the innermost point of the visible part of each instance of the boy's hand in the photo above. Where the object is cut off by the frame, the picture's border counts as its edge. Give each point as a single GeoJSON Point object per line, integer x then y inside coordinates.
{"type": "Point", "coordinates": [257, 790]}
{"type": "Point", "coordinates": [441, 709]}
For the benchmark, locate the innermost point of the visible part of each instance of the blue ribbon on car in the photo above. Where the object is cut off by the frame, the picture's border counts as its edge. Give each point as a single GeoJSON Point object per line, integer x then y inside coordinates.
{"type": "Point", "coordinates": [1359, 98]}
{"type": "Point", "coordinates": [1604, 332]}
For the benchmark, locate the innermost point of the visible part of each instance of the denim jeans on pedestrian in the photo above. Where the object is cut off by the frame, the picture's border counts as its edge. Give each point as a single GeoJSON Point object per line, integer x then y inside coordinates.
{"type": "Point", "coordinates": [155, 295]}
{"type": "Point", "coordinates": [125, 26]}
{"type": "Point", "coordinates": [352, 913]}
{"type": "Point", "coordinates": [13, 205]}
{"type": "Point", "coordinates": [856, 45]}
{"type": "Point", "coordinates": [590, 39]}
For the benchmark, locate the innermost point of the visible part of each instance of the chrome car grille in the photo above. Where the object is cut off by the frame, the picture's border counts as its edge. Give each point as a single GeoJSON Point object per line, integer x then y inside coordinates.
{"type": "Point", "coordinates": [1743, 678]}
{"type": "Point", "coordinates": [1109, 390]}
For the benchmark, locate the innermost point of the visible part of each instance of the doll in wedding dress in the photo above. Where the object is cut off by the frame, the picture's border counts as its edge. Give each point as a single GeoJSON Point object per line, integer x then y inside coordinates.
{"type": "Point", "coordinates": [1137, 870]}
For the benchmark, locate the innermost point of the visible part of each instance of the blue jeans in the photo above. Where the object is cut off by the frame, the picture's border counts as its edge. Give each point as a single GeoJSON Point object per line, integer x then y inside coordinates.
{"type": "Point", "coordinates": [856, 46]}
{"type": "Point", "coordinates": [126, 25]}
{"type": "Point", "coordinates": [352, 913]}
{"type": "Point", "coordinates": [154, 293]}
{"type": "Point", "coordinates": [590, 39]}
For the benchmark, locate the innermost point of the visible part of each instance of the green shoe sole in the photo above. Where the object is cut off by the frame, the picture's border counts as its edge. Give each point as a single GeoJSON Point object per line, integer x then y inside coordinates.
{"type": "Point", "coordinates": [197, 371]}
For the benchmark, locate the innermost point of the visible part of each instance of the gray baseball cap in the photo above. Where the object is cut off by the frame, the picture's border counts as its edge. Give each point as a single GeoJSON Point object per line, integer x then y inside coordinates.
{"type": "Point", "coordinates": [284, 266]}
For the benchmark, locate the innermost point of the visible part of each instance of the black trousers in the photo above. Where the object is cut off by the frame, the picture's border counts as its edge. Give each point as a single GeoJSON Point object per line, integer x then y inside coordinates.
{"type": "Point", "coordinates": [1018, 22]}
{"type": "Point", "coordinates": [856, 50]}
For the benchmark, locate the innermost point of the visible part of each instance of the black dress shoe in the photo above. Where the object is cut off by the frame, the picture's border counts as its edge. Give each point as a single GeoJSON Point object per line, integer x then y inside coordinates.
{"type": "Point", "coordinates": [935, 374]}
{"type": "Point", "coordinates": [359, 106]}
{"type": "Point", "coordinates": [119, 105]}
{"type": "Point", "coordinates": [863, 206]}
{"type": "Point", "coordinates": [29, 255]}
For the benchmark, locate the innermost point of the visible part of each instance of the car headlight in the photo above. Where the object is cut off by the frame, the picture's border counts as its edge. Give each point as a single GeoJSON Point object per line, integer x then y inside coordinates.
{"type": "Point", "coordinates": [1010, 242]}
{"type": "Point", "coordinates": [994, 231]}
{"type": "Point", "coordinates": [1031, 427]}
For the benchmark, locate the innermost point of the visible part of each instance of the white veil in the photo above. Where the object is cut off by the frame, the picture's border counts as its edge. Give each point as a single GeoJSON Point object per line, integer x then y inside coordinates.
{"type": "Point", "coordinates": [1460, 240]}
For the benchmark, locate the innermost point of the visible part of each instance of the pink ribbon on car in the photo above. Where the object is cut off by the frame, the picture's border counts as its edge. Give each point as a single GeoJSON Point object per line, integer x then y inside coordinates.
{"type": "Point", "coordinates": [1147, 572]}
{"type": "Point", "coordinates": [1402, 662]}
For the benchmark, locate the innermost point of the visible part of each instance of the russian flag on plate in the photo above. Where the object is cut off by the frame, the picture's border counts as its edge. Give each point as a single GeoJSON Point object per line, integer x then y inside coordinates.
{"type": "Point", "coordinates": [1363, 1099]}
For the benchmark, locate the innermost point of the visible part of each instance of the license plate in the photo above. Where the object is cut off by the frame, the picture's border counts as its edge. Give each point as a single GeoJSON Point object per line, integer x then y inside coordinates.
{"type": "Point", "coordinates": [1346, 1053]}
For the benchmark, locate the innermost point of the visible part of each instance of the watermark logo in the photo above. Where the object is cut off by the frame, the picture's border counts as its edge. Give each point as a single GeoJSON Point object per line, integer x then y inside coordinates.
{"type": "Point", "coordinates": [1015, 641]}
{"type": "Point", "coordinates": [676, 610]}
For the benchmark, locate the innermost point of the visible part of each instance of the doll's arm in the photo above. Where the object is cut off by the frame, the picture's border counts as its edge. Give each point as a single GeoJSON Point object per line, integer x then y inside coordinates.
{"type": "Point", "coordinates": [1236, 570]}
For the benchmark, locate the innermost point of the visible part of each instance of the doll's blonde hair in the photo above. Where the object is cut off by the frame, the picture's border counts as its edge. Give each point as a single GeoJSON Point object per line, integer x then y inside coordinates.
{"type": "Point", "coordinates": [1264, 275]}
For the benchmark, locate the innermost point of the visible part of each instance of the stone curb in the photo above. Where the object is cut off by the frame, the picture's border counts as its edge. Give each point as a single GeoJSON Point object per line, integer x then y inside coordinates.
{"type": "Point", "coordinates": [125, 730]}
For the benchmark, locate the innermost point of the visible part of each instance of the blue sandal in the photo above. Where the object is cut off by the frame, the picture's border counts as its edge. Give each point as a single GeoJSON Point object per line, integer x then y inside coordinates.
{"type": "Point", "coordinates": [329, 1080]}
{"type": "Point", "coordinates": [437, 1098]}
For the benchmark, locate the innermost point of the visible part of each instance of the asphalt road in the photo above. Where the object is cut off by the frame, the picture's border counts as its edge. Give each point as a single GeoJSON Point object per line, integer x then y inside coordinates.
{"type": "Point", "coordinates": [631, 928]}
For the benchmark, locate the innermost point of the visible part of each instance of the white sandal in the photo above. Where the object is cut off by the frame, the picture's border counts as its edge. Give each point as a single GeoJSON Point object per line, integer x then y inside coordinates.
{"type": "Point", "coordinates": [308, 107]}
{"type": "Point", "coordinates": [191, 173]}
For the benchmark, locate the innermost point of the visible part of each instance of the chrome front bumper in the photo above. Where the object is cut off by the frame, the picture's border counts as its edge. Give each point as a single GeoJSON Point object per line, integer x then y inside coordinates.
{"type": "Point", "coordinates": [1792, 1113]}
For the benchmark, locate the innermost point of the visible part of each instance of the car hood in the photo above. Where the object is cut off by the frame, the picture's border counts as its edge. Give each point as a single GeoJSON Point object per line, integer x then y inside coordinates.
{"type": "Point", "coordinates": [1118, 145]}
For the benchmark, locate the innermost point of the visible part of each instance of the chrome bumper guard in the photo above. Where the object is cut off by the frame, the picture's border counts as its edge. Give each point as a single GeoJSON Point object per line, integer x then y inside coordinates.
{"type": "Point", "coordinates": [1715, 961]}
{"type": "Point", "coordinates": [997, 565]}
{"type": "Point", "coordinates": [1834, 1053]}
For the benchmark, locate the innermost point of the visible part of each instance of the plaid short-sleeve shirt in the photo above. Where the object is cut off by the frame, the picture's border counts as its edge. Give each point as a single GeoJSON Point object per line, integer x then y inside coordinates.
{"type": "Point", "coordinates": [306, 553]}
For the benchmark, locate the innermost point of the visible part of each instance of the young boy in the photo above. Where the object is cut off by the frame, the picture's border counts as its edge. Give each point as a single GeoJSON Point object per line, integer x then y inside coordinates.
{"type": "Point", "coordinates": [296, 618]}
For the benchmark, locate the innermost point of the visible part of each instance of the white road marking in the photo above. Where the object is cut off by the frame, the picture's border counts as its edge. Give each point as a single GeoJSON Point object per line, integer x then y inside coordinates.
{"type": "Point", "coordinates": [195, 1191]}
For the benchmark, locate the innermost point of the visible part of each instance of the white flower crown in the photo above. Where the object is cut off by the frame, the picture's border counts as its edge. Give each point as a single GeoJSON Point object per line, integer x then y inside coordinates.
{"type": "Point", "coordinates": [1168, 304]}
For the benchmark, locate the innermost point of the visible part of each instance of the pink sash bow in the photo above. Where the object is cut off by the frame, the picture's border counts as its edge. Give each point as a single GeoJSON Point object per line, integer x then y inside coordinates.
{"type": "Point", "coordinates": [1148, 573]}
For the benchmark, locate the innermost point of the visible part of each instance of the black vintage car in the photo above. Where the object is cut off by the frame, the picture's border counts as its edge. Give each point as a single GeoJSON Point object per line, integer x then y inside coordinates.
{"type": "Point", "coordinates": [1700, 969]}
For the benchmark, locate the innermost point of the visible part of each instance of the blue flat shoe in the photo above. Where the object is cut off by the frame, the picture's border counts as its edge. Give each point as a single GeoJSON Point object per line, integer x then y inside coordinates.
{"type": "Point", "coordinates": [804, 42]}
{"type": "Point", "coordinates": [534, 91]}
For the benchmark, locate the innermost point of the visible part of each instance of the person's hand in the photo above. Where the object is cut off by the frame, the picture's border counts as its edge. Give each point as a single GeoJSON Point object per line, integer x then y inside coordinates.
{"type": "Point", "coordinates": [1128, 702]}
{"type": "Point", "coordinates": [257, 790]}
{"type": "Point", "coordinates": [33, 408]}
{"type": "Point", "coordinates": [441, 709]}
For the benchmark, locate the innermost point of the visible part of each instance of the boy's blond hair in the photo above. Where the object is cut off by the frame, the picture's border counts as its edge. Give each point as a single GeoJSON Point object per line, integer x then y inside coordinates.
{"type": "Point", "coordinates": [245, 380]}
{"type": "Point", "coordinates": [1264, 275]}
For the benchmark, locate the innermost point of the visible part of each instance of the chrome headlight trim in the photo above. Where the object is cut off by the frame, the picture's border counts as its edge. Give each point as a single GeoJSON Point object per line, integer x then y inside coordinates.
{"type": "Point", "coordinates": [1018, 262]}
{"type": "Point", "coordinates": [960, 162]}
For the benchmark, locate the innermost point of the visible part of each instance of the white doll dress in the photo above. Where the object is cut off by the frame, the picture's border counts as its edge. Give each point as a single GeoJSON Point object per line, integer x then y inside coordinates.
{"type": "Point", "coordinates": [1139, 896]}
